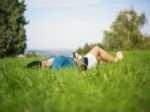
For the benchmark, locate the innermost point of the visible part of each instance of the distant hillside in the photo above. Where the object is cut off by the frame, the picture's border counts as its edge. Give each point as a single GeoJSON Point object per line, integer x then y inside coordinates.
{"type": "Point", "coordinates": [51, 52]}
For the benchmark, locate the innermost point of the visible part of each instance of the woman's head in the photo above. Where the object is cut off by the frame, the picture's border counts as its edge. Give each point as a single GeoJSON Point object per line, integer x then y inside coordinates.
{"type": "Point", "coordinates": [39, 64]}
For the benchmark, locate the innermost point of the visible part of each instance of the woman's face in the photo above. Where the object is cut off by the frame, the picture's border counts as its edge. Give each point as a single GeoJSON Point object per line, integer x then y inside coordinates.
{"type": "Point", "coordinates": [46, 64]}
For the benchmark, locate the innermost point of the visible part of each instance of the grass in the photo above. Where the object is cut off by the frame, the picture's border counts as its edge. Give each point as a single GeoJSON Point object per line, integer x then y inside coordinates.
{"type": "Point", "coordinates": [118, 87]}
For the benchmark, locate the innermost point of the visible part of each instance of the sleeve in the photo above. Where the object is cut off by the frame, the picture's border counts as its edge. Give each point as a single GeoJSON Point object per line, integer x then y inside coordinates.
{"type": "Point", "coordinates": [49, 57]}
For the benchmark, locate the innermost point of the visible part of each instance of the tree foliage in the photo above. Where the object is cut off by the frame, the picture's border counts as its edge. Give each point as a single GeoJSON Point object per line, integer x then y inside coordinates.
{"type": "Point", "coordinates": [12, 31]}
{"type": "Point", "coordinates": [87, 47]}
{"type": "Point", "coordinates": [125, 31]}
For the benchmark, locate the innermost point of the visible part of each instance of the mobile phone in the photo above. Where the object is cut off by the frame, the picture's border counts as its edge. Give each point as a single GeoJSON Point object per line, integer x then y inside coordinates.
{"type": "Point", "coordinates": [74, 55]}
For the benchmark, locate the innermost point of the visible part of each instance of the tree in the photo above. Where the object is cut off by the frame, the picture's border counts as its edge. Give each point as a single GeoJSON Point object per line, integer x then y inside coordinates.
{"type": "Point", "coordinates": [87, 47]}
{"type": "Point", "coordinates": [125, 31]}
{"type": "Point", "coordinates": [12, 31]}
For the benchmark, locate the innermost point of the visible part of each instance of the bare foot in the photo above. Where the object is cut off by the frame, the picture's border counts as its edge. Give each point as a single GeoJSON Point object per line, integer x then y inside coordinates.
{"type": "Point", "coordinates": [119, 56]}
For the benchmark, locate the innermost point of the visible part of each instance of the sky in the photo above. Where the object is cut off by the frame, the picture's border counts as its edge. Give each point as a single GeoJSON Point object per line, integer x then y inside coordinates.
{"type": "Point", "coordinates": [69, 24]}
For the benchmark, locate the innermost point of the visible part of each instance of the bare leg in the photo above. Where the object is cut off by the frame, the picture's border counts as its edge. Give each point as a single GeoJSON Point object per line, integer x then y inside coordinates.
{"type": "Point", "coordinates": [99, 52]}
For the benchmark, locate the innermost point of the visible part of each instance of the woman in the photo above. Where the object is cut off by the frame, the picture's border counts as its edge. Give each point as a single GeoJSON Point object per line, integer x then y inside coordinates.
{"type": "Point", "coordinates": [86, 62]}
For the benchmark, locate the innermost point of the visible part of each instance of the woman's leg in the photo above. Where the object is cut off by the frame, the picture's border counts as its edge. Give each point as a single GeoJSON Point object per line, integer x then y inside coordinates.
{"type": "Point", "coordinates": [105, 56]}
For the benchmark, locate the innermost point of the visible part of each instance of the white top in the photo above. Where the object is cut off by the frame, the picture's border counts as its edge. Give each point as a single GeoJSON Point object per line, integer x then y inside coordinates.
{"type": "Point", "coordinates": [92, 61]}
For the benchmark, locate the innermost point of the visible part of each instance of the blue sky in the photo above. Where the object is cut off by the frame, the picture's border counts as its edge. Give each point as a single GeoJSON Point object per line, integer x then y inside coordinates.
{"type": "Point", "coordinates": [69, 24]}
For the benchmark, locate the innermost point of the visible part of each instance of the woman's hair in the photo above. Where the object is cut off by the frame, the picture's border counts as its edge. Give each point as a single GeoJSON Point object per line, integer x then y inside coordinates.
{"type": "Point", "coordinates": [34, 64]}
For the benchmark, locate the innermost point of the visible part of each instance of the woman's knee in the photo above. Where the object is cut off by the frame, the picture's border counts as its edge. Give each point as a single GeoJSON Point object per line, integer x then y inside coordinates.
{"type": "Point", "coordinates": [97, 47]}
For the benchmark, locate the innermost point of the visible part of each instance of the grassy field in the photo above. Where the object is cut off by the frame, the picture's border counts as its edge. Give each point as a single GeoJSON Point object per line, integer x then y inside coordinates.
{"type": "Point", "coordinates": [119, 87]}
